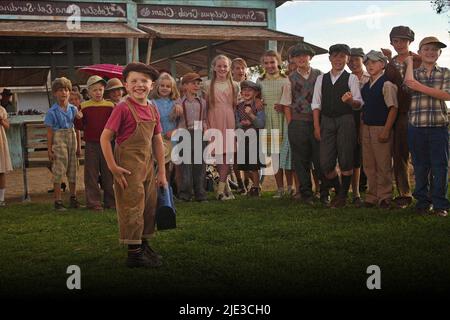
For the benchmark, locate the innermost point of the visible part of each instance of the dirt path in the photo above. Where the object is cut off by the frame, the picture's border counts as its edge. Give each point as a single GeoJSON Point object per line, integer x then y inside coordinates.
{"type": "Point", "coordinates": [39, 182]}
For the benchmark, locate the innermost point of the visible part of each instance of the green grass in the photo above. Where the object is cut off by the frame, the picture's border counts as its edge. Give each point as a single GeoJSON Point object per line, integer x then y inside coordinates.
{"type": "Point", "coordinates": [258, 248]}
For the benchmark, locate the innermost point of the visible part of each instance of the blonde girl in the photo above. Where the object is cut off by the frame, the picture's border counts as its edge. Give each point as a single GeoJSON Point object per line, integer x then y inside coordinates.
{"type": "Point", "coordinates": [276, 94]}
{"type": "Point", "coordinates": [165, 99]}
{"type": "Point", "coordinates": [221, 94]}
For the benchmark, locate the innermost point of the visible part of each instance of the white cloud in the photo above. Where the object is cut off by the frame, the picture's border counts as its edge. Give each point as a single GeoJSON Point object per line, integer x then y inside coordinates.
{"type": "Point", "coordinates": [364, 17]}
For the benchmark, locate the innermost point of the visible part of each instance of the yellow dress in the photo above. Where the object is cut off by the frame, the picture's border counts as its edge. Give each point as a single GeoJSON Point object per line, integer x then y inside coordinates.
{"type": "Point", "coordinates": [5, 159]}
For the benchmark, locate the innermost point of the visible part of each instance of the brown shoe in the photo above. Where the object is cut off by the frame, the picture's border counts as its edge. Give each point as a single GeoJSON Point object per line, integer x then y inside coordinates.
{"type": "Point", "coordinates": [440, 212]}
{"type": "Point", "coordinates": [402, 202]}
{"type": "Point", "coordinates": [97, 208]}
{"type": "Point", "coordinates": [338, 202]}
{"type": "Point", "coordinates": [368, 205]}
{"type": "Point", "coordinates": [385, 204]}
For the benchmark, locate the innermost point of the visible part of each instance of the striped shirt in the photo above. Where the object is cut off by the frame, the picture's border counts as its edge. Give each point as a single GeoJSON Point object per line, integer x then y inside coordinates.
{"type": "Point", "coordinates": [425, 110]}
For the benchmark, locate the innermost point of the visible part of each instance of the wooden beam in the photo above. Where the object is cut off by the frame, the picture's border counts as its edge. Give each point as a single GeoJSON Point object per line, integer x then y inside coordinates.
{"type": "Point", "coordinates": [149, 51]}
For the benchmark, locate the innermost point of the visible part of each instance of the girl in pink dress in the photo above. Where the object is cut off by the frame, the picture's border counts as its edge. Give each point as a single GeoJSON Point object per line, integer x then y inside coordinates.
{"type": "Point", "coordinates": [221, 94]}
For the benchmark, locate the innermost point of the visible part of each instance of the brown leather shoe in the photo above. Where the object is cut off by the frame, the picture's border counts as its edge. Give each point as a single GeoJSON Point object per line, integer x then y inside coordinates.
{"type": "Point", "coordinates": [384, 204]}
{"type": "Point", "coordinates": [97, 208]}
{"type": "Point", "coordinates": [402, 202]}
{"type": "Point", "coordinates": [440, 212]}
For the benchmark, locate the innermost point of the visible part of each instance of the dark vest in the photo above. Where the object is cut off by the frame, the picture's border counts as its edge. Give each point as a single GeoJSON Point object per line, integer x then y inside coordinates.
{"type": "Point", "coordinates": [332, 105]}
{"type": "Point", "coordinates": [375, 111]}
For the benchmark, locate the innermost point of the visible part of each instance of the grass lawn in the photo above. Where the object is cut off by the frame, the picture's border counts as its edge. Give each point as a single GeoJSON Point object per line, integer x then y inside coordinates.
{"type": "Point", "coordinates": [258, 248]}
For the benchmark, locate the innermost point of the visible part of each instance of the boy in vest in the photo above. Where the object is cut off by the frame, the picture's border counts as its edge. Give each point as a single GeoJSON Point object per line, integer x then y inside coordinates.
{"type": "Point", "coordinates": [401, 38]}
{"type": "Point", "coordinates": [336, 95]}
{"type": "Point", "coordinates": [428, 127]}
{"type": "Point", "coordinates": [135, 124]}
{"type": "Point", "coordinates": [305, 148]}
{"type": "Point", "coordinates": [378, 116]}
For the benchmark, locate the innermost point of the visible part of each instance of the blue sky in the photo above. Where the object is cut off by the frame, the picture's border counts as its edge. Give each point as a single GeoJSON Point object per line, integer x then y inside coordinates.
{"type": "Point", "coordinates": [363, 24]}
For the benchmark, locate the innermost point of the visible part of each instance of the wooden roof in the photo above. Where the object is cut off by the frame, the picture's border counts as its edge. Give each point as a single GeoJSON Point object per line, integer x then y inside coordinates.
{"type": "Point", "coordinates": [168, 31]}
{"type": "Point", "coordinates": [60, 29]}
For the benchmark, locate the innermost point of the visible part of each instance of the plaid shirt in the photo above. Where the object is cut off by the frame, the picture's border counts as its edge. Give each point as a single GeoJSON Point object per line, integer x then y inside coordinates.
{"type": "Point", "coordinates": [427, 111]}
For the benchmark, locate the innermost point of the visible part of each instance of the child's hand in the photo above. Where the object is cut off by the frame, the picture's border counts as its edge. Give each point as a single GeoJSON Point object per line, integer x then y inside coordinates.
{"type": "Point", "coordinates": [119, 176]}
{"type": "Point", "coordinates": [278, 107]}
{"type": "Point", "coordinates": [387, 53]}
{"type": "Point", "coordinates": [248, 110]}
{"type": "Point", "coordinates": [246, 123]}
{"type": "Point", "coordinates": [408, 60]}
{"type": "Point", "coordinates": [383, 137]}
{"type": "Point", "coordinates": [79, 114]}
{"type": "Point", "coordinates": [169, 134]}
{"type": "Point", "coordinates": [347, 97]}
{"type": "Point", "coordinates": [78, 153]}
{"type": "Point", "coordinates": [177, 112]}
{"type": "Point", "coordinates": [161, 179]}
{"type": "Point", "coordinates": [51, 156]}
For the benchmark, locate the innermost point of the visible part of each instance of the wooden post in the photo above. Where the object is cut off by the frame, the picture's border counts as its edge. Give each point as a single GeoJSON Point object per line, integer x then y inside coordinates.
{"type": "Point", "coordinates": [95, 50]}
{"type": "Point", "coordinates": [173, 68]}
{"type": "Point", "coordinates": [71, 59]}
{"type": "Point", "coordinates": [149, 51]}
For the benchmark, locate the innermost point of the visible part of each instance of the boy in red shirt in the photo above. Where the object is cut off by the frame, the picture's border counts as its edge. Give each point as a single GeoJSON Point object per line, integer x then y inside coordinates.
{"type": "Point", "coordinates": [135, 124]}
{"type": "Point", "coordinates": [96, 112]}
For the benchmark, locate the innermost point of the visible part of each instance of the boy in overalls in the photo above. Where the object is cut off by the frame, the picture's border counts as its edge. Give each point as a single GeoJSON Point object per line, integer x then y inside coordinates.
{"type": "Point", "coordinates": [135, 123]}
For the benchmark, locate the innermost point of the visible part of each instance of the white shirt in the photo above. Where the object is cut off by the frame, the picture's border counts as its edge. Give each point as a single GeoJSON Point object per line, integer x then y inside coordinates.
{"type": "Point", "coordinates": [353, 84]}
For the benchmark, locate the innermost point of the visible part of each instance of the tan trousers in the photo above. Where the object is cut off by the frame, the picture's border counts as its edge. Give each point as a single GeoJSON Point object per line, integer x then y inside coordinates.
{"type": "Point", "coordinates": [377, 162]}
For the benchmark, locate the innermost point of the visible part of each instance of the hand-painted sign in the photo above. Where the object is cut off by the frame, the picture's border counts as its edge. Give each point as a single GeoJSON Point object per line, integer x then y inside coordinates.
{"type": "Point", "coordinates": [54, 10]}
{"type": "Point", "coordinates": [201, 15]}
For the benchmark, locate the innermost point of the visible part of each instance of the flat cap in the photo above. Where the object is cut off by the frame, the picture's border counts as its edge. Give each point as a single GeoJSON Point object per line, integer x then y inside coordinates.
{"type": "Point", "coordinates": [402, 32]}
{"type": "Point", "coordinates": [300, 49]}
{"type": "Point", "coordinates": [375, 56]}
{"type": "Point", "coordinates": [141, 68]}
{"type": "Point", "coordinates": [339, 48]}
{"type": "Point", "coordinates": [251, 85]}
{"type": "Point", "coordinates": [434, 40]}
{"type": "Point", "coordinates": [190, 77]}
{"type": "Point", "coordinates": [358, 52]}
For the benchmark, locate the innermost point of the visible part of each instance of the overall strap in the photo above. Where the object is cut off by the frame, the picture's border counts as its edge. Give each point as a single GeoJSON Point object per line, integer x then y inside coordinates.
{"type": "Point", "coordinates": [133, 111]}
{"type": "Point", "coordinates": [184, 110]}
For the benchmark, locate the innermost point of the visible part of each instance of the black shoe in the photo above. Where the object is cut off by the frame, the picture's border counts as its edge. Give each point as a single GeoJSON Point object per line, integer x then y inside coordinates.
{"type": "Point", "coordinates": [357, 202]}
{"type": "Point", "coordinates": [423, 211]}
{"type": "Point", "coordinates": [63, 187]}
{"type": "Point", "coordinates": [149, 252]}
{"type": "Point", "coordinates": [325, 200]}
{"type": "Point", "coordinates": [74, 203]}
{"type": "Point", "coordinates": [141, 260]}
{"type": "Point", "coordinates": [59, 206]}
{"type": "Point", "coordinates": [440, 212]}
{"type": "Point", "coordinates": [254, 192]}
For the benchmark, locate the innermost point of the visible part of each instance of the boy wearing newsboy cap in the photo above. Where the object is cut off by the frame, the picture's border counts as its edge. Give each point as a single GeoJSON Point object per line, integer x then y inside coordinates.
{"type": "Point", "coordinates": [378, 116]}
{"type": "Point", "coordinates": [336, 95]}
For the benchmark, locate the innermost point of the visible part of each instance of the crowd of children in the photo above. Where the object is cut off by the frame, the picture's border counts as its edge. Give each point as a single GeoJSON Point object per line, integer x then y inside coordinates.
{"type": "Point", "coordinates": [333, 129]}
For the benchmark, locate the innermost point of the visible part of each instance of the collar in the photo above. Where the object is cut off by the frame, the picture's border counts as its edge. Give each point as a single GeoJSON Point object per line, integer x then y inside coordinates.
{"type": "Point", "coordinates": [136, 104]}
{"type": "Point", "coordinates": [435, 68]}
{"type": "Point", "coordinates": [273, 77]}
{"type": "Point", "coordinates": [338, 75]}
{"type": "Point", "coordinates": [377, 78]}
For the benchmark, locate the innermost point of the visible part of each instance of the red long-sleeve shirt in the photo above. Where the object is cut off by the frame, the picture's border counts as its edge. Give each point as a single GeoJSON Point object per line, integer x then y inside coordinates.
{"type": "Point", "coordinates": [95, 116]}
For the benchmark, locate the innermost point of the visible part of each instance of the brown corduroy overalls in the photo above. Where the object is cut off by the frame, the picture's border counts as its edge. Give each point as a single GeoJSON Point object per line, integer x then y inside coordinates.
{"type": "Point", "coordinates": [136, 204]}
